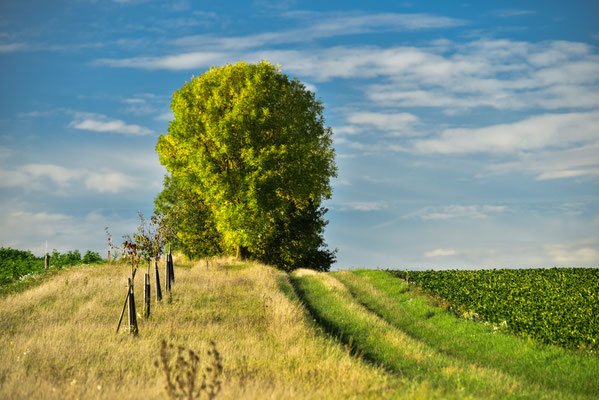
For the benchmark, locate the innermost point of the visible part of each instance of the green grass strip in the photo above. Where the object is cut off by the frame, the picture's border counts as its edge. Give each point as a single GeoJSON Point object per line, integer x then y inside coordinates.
{"type": "Point", "coordinates": [380, 342]}
{"type": "Point", "coordinates": [475, 342]}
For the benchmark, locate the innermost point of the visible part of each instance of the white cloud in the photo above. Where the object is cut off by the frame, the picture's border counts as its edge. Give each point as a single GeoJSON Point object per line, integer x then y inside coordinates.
{"type": "Point", "coordinates": [398, 123]}
{"type": "Point", "coordinates": [533, 133]}
{"type": "Point", "coordinates": [363, 206]}
{"type": "Point", "coordinates": [502, 74]}
{"type": "Point", "coordinates": [184, 61]}
{"type": "Point", "coordinates": [101, 123]}
{"type": "Point", "coordinates": [109, 181]}
{"type": "Point", "coordinates": [30, 230]}
{"type": "Point", "coordinates": [511, 12]}
{"type": "Point", "coordinates": [583, 253]}
{"type": "Point", "coordinates": [134, 100]}
{"type": "Point", "coordinates": [346, 130]}
{"type": "Point", "coordinates": [13, 47]}
{"type": "Point", "coordinates": [323, 25]}
{"type": "Point", "coordinates": [455, 211]}
{"type": "Point", "coordinates": [167, 116]}
{"type": "Point", "coordinates": [59, 175]}
{"type": "Point", "coordinates": [579, 161]}
{"type": "Point", "coordinates": [39, 176]}
{"type": "Point", "coordinates": [439, 253]}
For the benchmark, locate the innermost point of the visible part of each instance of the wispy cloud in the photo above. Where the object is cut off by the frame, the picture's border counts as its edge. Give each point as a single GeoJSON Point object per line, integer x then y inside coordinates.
{"type": "Point", "coordinates": [511, 12]}
{"type": "Point", "coordinates": [321, 26]}
{"type": "Point", "coordinates": [577, 253]}
{"type": "Point", "coordinates": [363, 206]}
{"type": "Point", "coordinates": [581, 161]}
{"type": "Point", "coordinates": [537, 132]}
{"type": "Point", "coordinates": [101, 123]}
{"type": "Point", "coordinates": [39, 176]}
{"type": "Point", "coordinates": [13, 47]}
{"type": "Point", "coordinates": [27, 229]}
{"type": "Point", "coordinates": [183, 61]}
{"type": "Point", "coordinates": [455, 211]}
{"type": "Point", "coordinates": [397, 124]}
{"type": "Point", "coordinates": [502, 74]}
{"type": "Point", "coordinates": [440, 253]}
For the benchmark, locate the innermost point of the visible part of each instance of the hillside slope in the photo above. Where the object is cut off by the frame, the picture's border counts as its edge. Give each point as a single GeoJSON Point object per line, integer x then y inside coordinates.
{"type": "Point", "coordinates": [306, 335]}
{"type": "Point", "coordinates": [58, 339]}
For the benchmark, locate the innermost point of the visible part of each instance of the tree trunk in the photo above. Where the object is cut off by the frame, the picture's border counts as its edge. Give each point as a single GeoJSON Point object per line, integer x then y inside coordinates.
{"type": "Point", "coordinates": [242, 253]}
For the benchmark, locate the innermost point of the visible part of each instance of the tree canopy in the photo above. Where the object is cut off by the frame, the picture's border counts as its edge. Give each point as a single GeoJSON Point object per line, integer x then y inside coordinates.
{"type": "Point", "coordinates": [250, 146]}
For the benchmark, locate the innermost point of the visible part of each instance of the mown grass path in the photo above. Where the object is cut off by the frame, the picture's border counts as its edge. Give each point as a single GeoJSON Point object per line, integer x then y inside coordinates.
{"type": "Point", "coordinates": [447, 376]}
{"type": "Point", "coordinates": [553, 367]}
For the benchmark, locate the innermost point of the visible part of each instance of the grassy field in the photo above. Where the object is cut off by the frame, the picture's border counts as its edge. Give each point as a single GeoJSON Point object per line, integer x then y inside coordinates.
{"type": "Point", "coordinates": [360, 334]}
{"type": "Point", "coordinates": [59, 340]}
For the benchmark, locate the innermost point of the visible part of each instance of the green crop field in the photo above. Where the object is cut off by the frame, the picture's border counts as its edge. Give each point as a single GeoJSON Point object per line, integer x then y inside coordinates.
{"type": "Point", "coordinates": [557, 305]}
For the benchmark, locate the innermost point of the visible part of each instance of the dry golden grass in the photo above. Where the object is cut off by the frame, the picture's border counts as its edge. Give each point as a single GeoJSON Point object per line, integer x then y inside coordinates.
{"type": "Point", "coordinates": [58, 340]}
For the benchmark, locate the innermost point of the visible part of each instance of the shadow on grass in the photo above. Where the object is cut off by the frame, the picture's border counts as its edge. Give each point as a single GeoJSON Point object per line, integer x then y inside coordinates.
{"type": "Point", "coordinates": [335, 331]}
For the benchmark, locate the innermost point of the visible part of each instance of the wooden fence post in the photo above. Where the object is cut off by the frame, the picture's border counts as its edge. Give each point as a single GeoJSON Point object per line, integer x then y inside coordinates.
{"type": "Point", "coordinates": [132, 316]}
{"type": "Point", "coordinates": [158, 290]}
{"type": "Point", "coordinates": [171, 268]}
{"type": "Point", "coordinates": [108, 257]}
{"type": "Point", "coordinates": [123, 312]}
{"type": "Point", "coordinates": [46, 263]}
{"type": "Point", "coordinates": [147, 295]}
{"type": "Point", "coordinates": [167, 276]}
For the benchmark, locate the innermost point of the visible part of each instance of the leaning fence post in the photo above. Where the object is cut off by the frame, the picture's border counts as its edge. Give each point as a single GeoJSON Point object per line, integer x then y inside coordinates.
{"type": "Point", "coordinates": [123, 312]}
{"type": "Point", "coordinates": [158, 290]}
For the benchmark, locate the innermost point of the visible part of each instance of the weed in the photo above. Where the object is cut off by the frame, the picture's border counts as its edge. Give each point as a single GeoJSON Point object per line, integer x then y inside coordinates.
{"type": "Point", "coordinates": [181, 377]}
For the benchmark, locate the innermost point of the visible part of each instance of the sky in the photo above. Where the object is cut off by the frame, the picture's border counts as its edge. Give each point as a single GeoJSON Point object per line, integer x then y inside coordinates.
{"type": "Point", "coordinates": [466, 133]}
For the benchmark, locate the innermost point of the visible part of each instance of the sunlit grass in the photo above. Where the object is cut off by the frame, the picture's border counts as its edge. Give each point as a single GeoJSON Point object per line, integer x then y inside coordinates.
{"type": "Point", "coordinates": [474, 342]}
{"type": "Point", "coordinates": [59, 340]}
{"type": "Point", "coordinates": [381, 343]}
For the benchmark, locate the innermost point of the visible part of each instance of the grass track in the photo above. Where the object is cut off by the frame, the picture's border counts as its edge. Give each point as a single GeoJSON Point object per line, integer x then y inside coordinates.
{"type": "Point", "coordinates": [553, 367]}
{"type": "Point", "coordinates": [380, 342]}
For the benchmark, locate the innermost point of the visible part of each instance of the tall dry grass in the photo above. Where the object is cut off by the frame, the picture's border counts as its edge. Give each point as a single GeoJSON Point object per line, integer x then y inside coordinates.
{"type": "Point", "coordinates": [58, 340]}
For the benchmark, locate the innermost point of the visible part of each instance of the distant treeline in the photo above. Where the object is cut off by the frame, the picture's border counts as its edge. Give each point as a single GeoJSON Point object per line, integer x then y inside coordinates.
{"type": "Point", "coordinates": [15, 264]}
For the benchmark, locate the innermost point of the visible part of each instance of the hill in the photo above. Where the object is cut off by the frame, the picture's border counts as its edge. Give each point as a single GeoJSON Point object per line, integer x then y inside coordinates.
{"type": "Point", "coordinates": [266, 334]}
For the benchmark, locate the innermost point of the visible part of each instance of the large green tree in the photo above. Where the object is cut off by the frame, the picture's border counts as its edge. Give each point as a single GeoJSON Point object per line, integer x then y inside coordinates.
{"type": "Point", "coordinates": [252, 145]}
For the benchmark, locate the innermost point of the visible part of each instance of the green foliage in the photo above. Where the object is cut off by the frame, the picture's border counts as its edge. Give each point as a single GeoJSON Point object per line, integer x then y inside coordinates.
{"type": "Point", "coordinates": [250, 144]}
{"type": "Point", "coordinates": [297, 242]}
{"type": "Point", "coordinates": [91, 257]}
{"type": "Point", "coordinates": [16, 264]}
{"type": "Point", "coordinates": [558, 305]}
{"type": "Point", "coordinates": [196, 232]}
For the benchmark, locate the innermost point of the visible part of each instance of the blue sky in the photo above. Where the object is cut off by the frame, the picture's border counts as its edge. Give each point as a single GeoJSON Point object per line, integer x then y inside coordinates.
{"type": "Point", "coordinates": [466, 134]}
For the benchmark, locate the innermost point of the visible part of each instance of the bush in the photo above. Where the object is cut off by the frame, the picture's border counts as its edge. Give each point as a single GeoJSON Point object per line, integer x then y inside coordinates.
{"type": "Point", "coordinates": [91, 257]}
{"type": "Point", "coordinates": [15, 264]}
